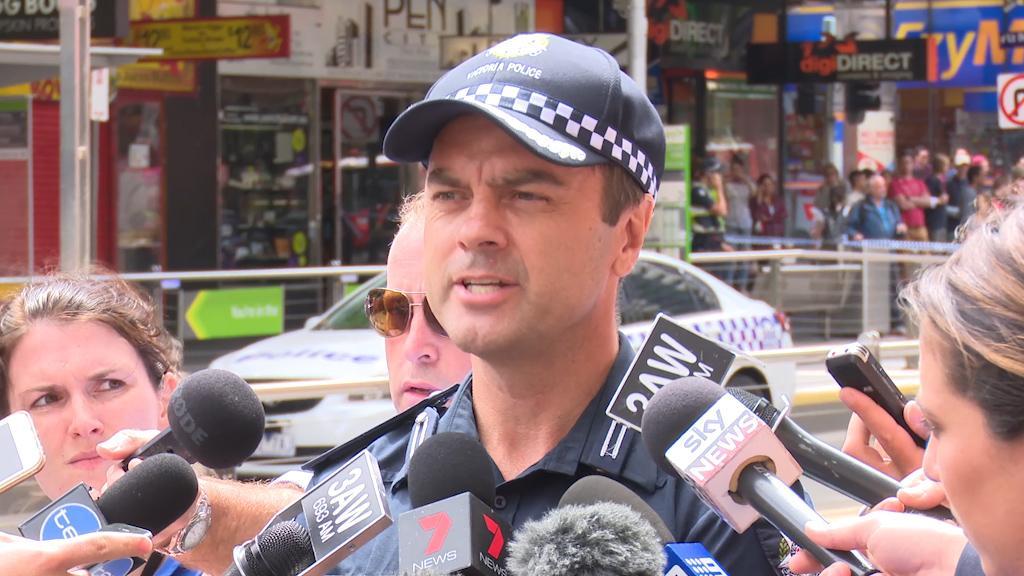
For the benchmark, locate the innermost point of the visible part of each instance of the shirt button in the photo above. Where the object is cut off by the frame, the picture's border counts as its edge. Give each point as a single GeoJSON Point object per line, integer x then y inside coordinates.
{"type": "Point", "coordinates": [500, 503]}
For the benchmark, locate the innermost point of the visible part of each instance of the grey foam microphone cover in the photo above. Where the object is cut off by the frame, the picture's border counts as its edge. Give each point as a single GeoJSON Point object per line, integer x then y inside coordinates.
{"type": "Point", "coordinates": [593, 489]}
{"type": "Point", "coordinates": [602, 539]}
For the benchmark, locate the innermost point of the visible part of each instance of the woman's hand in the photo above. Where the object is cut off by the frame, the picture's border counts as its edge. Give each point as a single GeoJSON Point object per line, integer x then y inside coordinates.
{"type": "Point", "coordinates": [897, 454]}
{"type": "Point", "coordinates": [896, 544]}
{"type": "Point", "coordinates": [62, 557]}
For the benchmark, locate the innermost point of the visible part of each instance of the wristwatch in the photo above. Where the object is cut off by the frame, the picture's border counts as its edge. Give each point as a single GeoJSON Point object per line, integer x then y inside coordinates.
{"type": "Point", "coordinates": [193, 533]}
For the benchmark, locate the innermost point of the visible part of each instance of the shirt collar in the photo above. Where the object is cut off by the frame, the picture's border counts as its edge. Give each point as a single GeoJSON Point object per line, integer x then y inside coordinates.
{"type": "Point", "coordinates": [583, 445]}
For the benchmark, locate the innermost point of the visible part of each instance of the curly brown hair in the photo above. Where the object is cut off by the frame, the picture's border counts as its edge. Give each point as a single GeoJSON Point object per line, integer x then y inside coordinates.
{"type": "Point", "coordinates": [101, 297]}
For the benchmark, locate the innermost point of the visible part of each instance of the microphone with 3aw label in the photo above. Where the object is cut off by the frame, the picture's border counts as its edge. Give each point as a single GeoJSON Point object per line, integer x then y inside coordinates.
{"type": "Point", "coordinates": [733, 461]}
{"type": "Point", "coordinates": [215, 419]}
{"type": "Point", "coordinates": [824, 463]}
{"type": "Point", "coordinates": [151, 496]}
{"type": "Point", "coordinates": [343, 511]}
{"type": "Point", "coordinates": [452, 526]}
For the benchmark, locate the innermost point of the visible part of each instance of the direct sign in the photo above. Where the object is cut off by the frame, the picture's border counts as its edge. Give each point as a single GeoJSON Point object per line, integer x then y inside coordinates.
{"type": "Point", "coordinates": [236, 312]}
{"type": "Point", "coordinates": [1011, 101]}
{"type": "Point", "coordinates": [834, 60]}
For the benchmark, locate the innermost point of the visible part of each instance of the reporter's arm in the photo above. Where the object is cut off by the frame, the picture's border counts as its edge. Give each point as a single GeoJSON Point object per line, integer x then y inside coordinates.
{"type": "Point", "coordinates": [239, 510]}
{"type": "Point", "coordinates": [897, 544]}
{"type": "Point", "coordinates": [59, 557]}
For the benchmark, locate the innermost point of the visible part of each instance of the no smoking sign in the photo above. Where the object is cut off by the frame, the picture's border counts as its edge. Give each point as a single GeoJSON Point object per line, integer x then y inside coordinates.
{"type": "Point", "coordinates": [1011, 101]}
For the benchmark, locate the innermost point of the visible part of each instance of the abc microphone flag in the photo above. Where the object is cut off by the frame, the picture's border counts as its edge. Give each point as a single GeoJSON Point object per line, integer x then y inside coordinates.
{"type": "Point", "coordinates": [452, 527]}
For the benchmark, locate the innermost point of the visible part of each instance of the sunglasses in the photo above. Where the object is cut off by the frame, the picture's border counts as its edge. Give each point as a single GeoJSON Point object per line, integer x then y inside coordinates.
{"type": "Point", "coordinates": [390, 312]}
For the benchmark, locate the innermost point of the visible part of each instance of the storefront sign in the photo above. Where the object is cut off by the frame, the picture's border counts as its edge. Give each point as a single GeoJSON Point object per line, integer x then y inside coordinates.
{"type": "Point", "coordinates": [700, 34]}
{"type": "Point", "coordinates": [876, 141]}
{"type": "Point", "coordinates": [215, 38]}
{"type": "Point", "coordinates": [374, 40]}
{"type": "Point", "coordinates": [457, 49]}
{"type": "Point", "coordinates": [174, 76]}
{"type": "Point", "coordinates": [969, 37]}
{"type": "Point", "coordinates": [40, 19]}
{"type": "Point", "coordinates": [833, 60]}
{"type": "Point", "coordinates": [235, 312]}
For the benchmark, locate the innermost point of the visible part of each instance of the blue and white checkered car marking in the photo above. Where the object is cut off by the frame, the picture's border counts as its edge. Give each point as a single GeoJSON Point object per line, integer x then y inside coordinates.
{"type": "Point", "coordinates": [746, 334]}
{"type": "Point", "coordinates": [582, 128]}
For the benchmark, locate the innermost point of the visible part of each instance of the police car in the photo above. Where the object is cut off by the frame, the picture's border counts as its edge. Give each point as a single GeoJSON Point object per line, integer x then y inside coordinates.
{"type": "Point", "coordinates": [340, 344]}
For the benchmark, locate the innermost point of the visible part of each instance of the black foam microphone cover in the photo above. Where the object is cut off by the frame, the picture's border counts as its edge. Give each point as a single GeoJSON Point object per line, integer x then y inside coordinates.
{"type": "Point", "coordinates": [217, 417]}
{"type": "Point", "coordinates": [283, 550]}
{"type": "Point", "coordinates": [448, 464]}
{"type": "Point", "coordinates": [672, 410]}
{"type": "Point", "coordinates": [593, 489]}
{"type": "Point", "coordinates": [152, 495]}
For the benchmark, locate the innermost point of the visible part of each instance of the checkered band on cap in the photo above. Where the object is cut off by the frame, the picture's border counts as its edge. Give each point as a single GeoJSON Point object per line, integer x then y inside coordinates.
{"type": "Point", "coordinates": [584, 129]}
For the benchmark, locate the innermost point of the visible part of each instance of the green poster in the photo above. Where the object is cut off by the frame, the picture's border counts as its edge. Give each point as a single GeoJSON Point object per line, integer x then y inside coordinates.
{"type": "Point", "coordinates": [236, 312]}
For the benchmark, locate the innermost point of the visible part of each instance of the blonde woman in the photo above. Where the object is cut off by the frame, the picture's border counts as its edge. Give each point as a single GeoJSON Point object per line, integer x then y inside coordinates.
{"type": "Point", "coordinates": [971, 313]}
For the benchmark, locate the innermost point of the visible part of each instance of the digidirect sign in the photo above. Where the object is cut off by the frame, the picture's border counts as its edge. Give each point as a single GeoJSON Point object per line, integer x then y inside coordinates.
{"type": "Point", "coordinates": [833, 60]}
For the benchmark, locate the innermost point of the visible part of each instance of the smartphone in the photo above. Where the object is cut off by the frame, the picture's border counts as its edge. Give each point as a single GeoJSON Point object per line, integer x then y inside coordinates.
{"type": "Point", "coordinates": [21, 454]}
{"type": "Point", "coordinates": [853, 365]}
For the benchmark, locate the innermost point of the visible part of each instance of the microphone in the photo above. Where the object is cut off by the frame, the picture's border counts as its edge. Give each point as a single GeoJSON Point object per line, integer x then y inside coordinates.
{"type": "Point", "coordinates": [733, 461]}
{"type": "Point", "coordinates": [344, 511]}
{"type": "Point", "coordinates": [282, 550]}
{"type": "Point", "coordinates": [591, 533]}
{"type": "Point", "coordinates": [151, 496]}
{"type": "Point", "coordinates": [594, 488]}
{"type": "Point", "coordinates": [452, 527]}
{"type": "Point", "coordinates": [691, 560]}
{"type": "Point", "coordinates": [215, 419]}
{"type": "Point", "coordinates": [826, 464]}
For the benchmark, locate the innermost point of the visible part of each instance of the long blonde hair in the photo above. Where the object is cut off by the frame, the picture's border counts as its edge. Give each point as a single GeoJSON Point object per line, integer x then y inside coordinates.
{"type": "Point", "coordinates": [975, 301]}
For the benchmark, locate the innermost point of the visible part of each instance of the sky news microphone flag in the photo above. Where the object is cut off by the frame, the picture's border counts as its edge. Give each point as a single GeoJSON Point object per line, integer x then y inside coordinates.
{"type": "Point", "coordinates": [569, 103]}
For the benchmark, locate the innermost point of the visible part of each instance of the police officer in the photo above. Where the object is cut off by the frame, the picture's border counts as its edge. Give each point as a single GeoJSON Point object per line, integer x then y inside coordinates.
{"type": "Point", "coordinates": [543, 161]}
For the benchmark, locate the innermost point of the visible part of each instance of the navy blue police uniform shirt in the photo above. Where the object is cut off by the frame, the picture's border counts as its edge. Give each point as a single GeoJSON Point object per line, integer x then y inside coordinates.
{"type": "Point", "coordinates": [537, 490]}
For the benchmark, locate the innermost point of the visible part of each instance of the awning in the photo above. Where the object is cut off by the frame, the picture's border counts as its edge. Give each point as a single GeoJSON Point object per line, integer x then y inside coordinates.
{"type": "Point", "coordinates": [23, 62]}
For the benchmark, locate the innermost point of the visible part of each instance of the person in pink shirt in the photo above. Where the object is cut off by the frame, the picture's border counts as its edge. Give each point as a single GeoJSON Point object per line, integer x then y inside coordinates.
{"type": "Point", "coordinates": [912, 197]}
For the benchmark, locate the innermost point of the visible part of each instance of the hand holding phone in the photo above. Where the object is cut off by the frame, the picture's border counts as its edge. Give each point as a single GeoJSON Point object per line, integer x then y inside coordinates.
{"type": "Point", "coordinates": [854, 366]}
{"type": "Point", "coordinates": [21, 454]}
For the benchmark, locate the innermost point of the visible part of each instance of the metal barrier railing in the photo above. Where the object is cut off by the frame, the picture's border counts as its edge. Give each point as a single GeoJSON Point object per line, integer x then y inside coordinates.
{"type": "Point", "coordinates": [301, 389]}
{"type": "Point", "coordinates": [826, 293]}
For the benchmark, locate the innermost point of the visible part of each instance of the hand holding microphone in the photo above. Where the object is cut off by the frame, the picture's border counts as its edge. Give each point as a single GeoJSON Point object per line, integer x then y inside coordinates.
{"type": "Point", "coordinates": [734, 462]}
{"type": "Point", "coordinates": [59, 557]}
{"type": "Point", "coordinates": [215, 419]}
{"type": "Point", "coordinates": [898, 544]}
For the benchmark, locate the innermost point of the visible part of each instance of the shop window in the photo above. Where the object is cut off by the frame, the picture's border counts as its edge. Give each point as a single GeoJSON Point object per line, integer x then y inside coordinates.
{"type": "Point", "coordinates": [265, 172]}
{"type": "Point", "coordinates": [140, 176]}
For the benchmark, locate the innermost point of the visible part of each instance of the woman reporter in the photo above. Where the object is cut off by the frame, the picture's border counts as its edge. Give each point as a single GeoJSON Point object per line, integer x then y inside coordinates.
{"type": "Point", "coordinates": [971, 313]}
{"type": "Point", "coordinates": [87, 357]}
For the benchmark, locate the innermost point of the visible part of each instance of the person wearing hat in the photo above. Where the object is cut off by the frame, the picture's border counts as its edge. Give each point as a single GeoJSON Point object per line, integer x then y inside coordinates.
{"type": "Point", "coordinates": [708, 207]}
{"type": "Point", "coordinates": [956, 188]}
{"type": "Point", "coordinates": [543, 161]}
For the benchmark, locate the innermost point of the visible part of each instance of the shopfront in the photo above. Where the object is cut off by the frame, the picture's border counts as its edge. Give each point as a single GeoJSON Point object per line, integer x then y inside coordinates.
{"type": "Point", "coordinates": [697, 51]}
{"type": "Point", "coordinates": [303, 179]}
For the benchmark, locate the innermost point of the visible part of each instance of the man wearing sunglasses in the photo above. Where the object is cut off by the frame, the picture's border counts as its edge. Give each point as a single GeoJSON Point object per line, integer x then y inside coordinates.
{"type": "Point", "coordinates": [421, 358]}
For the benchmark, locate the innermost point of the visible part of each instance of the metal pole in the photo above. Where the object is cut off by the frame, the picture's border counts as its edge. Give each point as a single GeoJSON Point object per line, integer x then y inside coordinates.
{"type": "Point", "coordinates": [75, 179]}
{"type": "Point", "coordinates": [638, 43]}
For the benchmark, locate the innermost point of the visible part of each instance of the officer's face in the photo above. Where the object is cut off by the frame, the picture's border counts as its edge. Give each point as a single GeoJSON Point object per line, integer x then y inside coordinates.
{"type": "Point", "coordinates": [516, 254]}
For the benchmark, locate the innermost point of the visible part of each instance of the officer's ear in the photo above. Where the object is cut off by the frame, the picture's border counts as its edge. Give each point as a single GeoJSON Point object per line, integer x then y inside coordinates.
{"type": "Point", "coordinates": [634, 223]}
